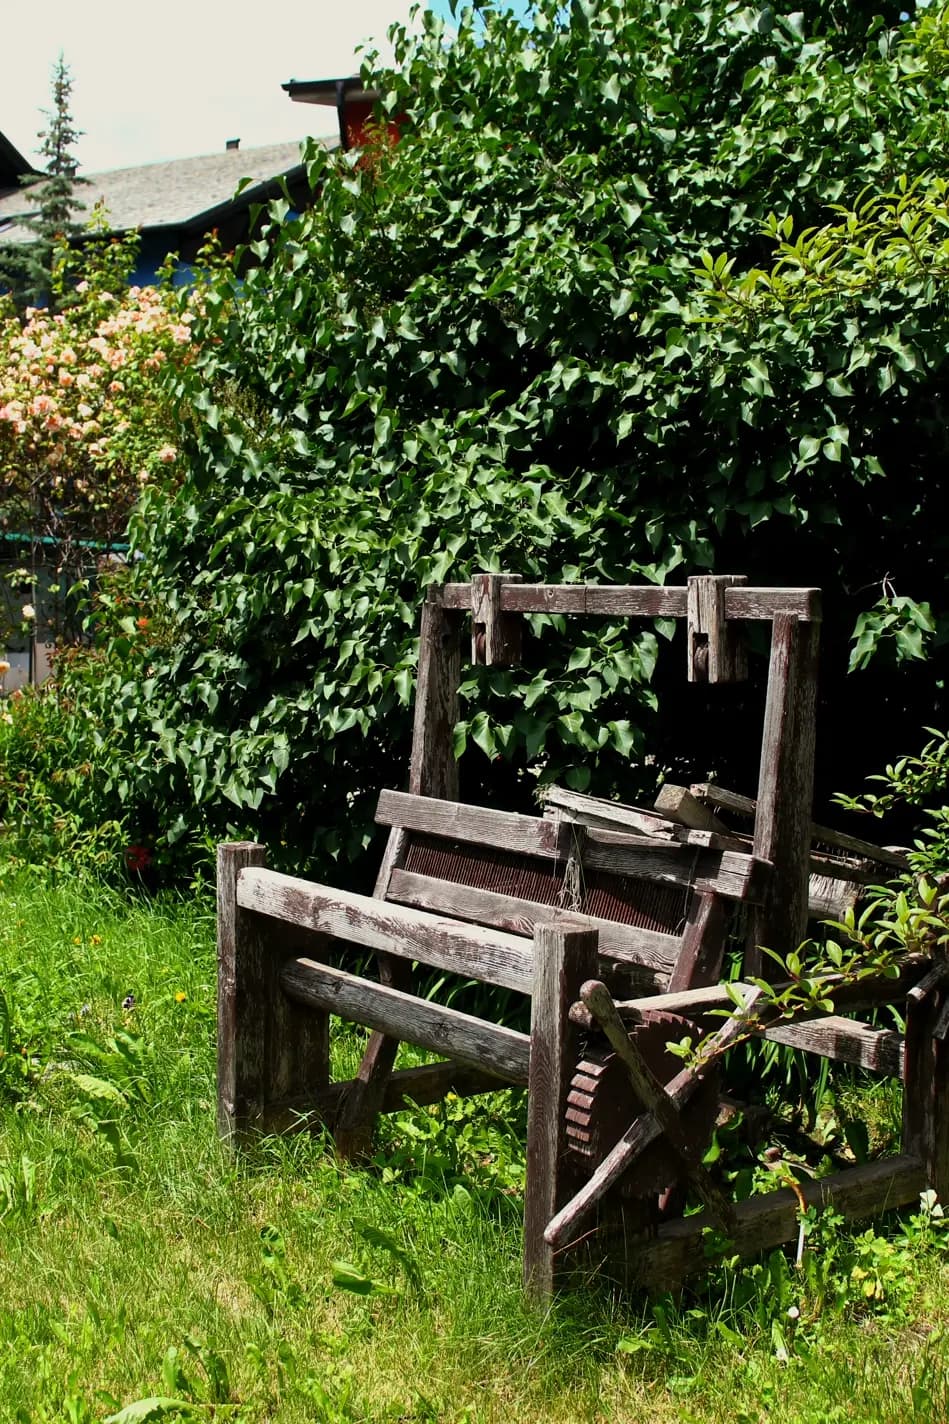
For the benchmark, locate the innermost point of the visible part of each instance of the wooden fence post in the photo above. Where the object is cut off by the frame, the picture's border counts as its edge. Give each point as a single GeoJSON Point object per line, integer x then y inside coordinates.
{"type": "Point", "coordinates": [273, 1054]}
{"type": "Point", "coordinates": [565, 956]}
{"type": "Point", "coordinates": [786, 791]}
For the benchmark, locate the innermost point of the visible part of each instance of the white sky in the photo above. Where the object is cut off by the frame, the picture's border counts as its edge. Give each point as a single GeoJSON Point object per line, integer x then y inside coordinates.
{"type": "Point", "coordinates": [152, 82]}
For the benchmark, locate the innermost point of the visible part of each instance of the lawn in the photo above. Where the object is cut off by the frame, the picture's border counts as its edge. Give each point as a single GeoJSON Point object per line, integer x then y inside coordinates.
{"type": "Point", "coordinates": [146, 1273]}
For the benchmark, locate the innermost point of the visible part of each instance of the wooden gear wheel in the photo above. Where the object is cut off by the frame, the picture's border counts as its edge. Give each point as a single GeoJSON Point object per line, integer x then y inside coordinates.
{"type": "Point", "coordinates": [602, 1104]}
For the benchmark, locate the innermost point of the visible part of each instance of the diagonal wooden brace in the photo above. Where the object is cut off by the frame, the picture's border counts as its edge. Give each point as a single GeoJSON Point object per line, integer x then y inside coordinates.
{"type": "Point", "coordinates": [653, 1095]}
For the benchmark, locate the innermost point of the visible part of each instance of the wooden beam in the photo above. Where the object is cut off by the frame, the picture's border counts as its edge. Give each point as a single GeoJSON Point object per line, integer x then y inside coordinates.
{"type": "Point", "coordinates": [715, 651]}
{"type": "Point", "coordinates": [639, 601]}
{"type": "Point", "coordinates": [844, 1040]}
{"type": "Point", "coordinates": [867, 993]}
{"type": "Point", "coordinates": [564, 956]}
{"type": "Point", "coordinates": [679, 1248]}
{"type": "Point", "coordinates": [403, 1016]}
{"type": "Point", "coordinates": [496, 637]}
{"type": "Point", "coordinates": [471, 950]}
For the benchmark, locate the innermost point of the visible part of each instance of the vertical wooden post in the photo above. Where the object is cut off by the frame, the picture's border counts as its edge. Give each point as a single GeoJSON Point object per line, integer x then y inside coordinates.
{"type": "Point", "coordinates": [786, 790]}
{"type": "Point", "coordinates": [273, 1054]}
{"type": "Point", "coordinates": [495, 636]}
{"type": "Point", "coordinates": [716, 649]}
{"type": "Point", "coordinates": [565, 956]}
{"type": "Point", "coordinates": [926, 1091]}
{"type": "Point", "coordinates": [433, 772]}
{"type": "Point", "coordinates": [241, 1058]}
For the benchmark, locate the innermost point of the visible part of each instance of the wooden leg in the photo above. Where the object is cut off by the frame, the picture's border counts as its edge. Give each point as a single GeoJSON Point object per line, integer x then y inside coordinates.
{"type": "Point", "coordinates": [365, 1094]}
{"type": "Point", "coordinates": [565, 956]}
{"type": "Point", "coordinates": [926, 1090]}
{"type": "Point", "coordinates": [271, 1052]}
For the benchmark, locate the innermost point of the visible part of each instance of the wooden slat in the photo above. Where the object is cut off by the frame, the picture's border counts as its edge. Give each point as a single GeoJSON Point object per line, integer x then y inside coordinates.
{"type": "Point", "coordinates": [713, 795]}
{"type": "Point", "coordinates": [655, 952]}
{"type": "Point", "coordinates": [426, 1084]}
{"type": "Point", "coordinates": [643, 601]}
{"type": "Point", "coordinates": [475, 825]}
{"type": "Point", "coordinates": [879, 1049]}
{"type": "Point", "coordinates": [471, 950]}
{"type": "Point", "coordinates": [445, 1031]}
{"type": "Point", "coordinates": [679, 1248]}
{"type": "Point", "coordinates": [730, 873]}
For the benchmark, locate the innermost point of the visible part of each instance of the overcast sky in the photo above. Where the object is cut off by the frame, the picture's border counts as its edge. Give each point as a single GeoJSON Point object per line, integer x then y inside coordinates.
{"type": "Point", "coordinates": [152, 83]}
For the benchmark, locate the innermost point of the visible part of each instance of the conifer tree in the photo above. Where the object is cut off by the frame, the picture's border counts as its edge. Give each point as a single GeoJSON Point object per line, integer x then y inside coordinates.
{"type": "Point", "coordinates": [31, 273]}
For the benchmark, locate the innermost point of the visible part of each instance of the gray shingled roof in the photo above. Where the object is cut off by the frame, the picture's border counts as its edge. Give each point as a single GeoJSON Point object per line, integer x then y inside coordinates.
{"type": "Point", "coordinates": [180, 193]}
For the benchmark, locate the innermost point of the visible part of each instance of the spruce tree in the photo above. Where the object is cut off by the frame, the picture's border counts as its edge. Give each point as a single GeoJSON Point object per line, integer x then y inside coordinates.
{"type": "Point", "coordinates": [53, 196]}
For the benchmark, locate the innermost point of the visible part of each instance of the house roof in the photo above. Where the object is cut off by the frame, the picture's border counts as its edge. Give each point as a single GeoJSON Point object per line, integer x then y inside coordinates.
{"type": "Point", "coordinates": [190, 193]}
{"type": "Point", "coordinates": [12, 165]}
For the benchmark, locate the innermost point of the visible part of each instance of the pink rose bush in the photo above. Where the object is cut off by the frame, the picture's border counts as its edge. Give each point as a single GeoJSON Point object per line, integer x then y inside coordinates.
{"type": "Point", "coordinates": [84, 419]}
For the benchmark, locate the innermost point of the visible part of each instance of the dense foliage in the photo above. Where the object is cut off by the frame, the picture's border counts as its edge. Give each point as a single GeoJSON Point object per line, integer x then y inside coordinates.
{"type": "Point", "coordinates": [499, 345]}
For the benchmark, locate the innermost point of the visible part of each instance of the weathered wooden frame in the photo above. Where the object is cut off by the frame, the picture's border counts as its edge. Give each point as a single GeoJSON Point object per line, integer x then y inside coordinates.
{"type": "Point", "coordinates": [276, 994]}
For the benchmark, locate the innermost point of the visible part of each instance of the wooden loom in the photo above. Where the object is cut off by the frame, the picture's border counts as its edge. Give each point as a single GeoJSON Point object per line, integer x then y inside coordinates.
{"type": "Point", "coordinates": [612, 920]}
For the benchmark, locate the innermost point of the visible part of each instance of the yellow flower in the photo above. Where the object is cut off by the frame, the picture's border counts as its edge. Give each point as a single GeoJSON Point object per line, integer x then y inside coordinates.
{"type": "Point", "coordinates": [180, 997]}
{"type": "Point", "coordinates": [95, 939]}
{"type": "Point", "coordinates": [77, 939]}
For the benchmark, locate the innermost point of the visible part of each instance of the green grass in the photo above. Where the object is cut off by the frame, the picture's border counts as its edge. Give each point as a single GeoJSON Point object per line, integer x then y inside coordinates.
{"type": "Point", "coordinates": [139, 1259]}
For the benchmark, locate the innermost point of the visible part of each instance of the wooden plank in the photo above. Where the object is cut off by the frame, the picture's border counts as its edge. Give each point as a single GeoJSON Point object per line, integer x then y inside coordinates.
{"type": "Point", "coordinates": [785, 792]}
{"type": "Point", "coordinates": [268, 1048]}
{"type": "Point", "coordinates": [715, 652]}
{"type": "Point", "coordinates": [653, 951]}
{"type": "Point", "coordinates": [731, 873]}
{"type": "Point", "coordinates": [879, 1049]}
{"type": "Point", "coordinates": [677, 803]}
{"type": "Point", "coordinates": [496, 637]}
{"type": "Point", "coordinates": [703, 944]}
{"type": "Point", "coordinates": [472, 950]}
{"type": "Point", "coordinates": [713, 795]}
{"type": "Point", "coordinates": [679, 1248]}
{"type": "Point", "coordinates": [564, 957]}
{"type": "Point", "coordinates": [446, 1031]}
{"type": "Point", "coordinates": [474, 825]}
